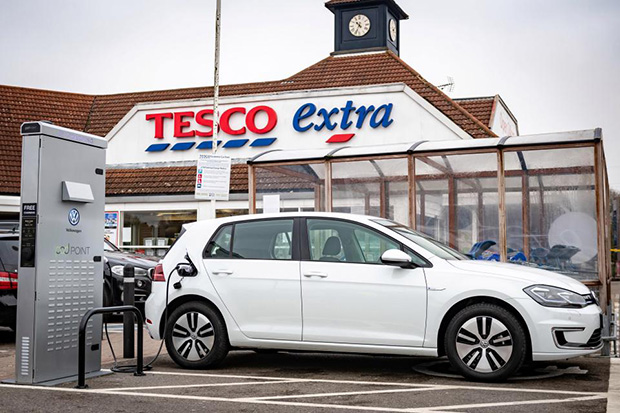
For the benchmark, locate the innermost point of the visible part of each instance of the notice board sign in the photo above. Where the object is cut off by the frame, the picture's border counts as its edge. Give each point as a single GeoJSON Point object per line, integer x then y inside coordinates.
{"type": "Point", "coordinates": [111, 227]}
{"type": "Point", "coordinates": [213, 177]}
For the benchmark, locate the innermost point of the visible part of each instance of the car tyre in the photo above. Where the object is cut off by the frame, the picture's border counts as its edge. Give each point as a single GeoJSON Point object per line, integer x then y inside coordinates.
{"type": "Point", "coordinates": [196, 336]}
{"type": "Point", "coordinates": [485, 342]}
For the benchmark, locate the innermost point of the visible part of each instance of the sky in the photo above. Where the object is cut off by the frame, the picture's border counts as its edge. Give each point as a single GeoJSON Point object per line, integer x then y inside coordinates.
{"type": "Point", "coordinates": [554, 62]}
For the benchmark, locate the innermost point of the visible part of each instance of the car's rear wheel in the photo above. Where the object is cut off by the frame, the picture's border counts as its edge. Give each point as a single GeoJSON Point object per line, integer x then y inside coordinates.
{"type": "Point", "coordinates": [485, 342]}
{"type": "Point", "coordinates": [196, 336]}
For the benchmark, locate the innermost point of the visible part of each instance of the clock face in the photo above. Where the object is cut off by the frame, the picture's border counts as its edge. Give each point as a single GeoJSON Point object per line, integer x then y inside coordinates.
{"type": "Point", "coordinates": [359, 25]}
{"type": "Point", "coordinates": [393, 30]}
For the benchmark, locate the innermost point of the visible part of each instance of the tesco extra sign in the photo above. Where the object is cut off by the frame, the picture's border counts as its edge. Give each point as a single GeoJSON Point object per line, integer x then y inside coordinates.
{"type": "Point", "coordinates": [261, 120]}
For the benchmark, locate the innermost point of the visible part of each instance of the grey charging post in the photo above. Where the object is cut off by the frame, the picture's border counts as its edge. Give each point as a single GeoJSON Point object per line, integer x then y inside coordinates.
{"type": "Point", "coordinates": [60, 252]}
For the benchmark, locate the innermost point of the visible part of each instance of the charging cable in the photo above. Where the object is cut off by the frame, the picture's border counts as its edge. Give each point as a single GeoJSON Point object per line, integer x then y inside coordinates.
{"type": "Point", "coordinates": [131, 368]}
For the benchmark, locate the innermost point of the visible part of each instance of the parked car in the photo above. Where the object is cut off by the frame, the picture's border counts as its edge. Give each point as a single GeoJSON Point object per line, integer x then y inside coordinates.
{"type": "Point", "coordinates": [114, 263]}
{"type": "Point", "coordinates": [359, 284]}
{"type": "Point", "coordinates": [9, 246]}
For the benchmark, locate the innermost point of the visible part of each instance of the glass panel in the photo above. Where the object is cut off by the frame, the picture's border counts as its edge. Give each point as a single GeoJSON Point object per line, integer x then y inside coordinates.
{"type": "Point", "coordinates": [457, 202]}
{"type": "Point", "coordinates": [551, 206]}
{"type": "Point", "coordinates": [153, 232]}
{"type": "Point", "coordinates": [259, 240]}
{"type": "Point", "coordinates": [298, 186]}
{"type": "Point", "coordinates": [332, 240]}
{"type": "Point", "coordinates": [223, 213]}
{"type": "Point", "coordinates": [372, 187]}
{"type": "Point", "coordinates": [9, 248]}
{"type": "Point", "coordinates": [220, 246]}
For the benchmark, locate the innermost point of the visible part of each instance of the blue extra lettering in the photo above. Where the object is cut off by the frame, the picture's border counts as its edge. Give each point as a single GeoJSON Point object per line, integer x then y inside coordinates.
{"type": "Point", "coordinates": [362, 111]}
{"type": "Point", "coordinates": [346, 111]}
{"type": "Point", "coordinates": [304, 111]}
{"type": "Point", "coordinates": [326, 119]}
{"type": "Point", "coordinates": [385, 119]}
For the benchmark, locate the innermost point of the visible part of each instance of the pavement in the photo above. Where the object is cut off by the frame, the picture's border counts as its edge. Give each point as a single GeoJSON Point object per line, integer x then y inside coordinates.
{"type": "Point", "coordinates": [316, 382]}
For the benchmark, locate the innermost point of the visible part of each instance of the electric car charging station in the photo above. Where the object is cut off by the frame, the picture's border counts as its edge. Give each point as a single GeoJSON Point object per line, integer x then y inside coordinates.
{"type": "Point", "coordinates": [60, 252]}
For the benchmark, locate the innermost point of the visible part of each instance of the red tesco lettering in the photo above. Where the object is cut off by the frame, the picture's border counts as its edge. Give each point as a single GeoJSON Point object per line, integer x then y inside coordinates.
{"type": "Point", "coordinates": [233, 121]}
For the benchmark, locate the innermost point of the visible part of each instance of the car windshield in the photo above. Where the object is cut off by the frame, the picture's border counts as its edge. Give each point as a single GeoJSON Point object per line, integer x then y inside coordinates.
{"type": "Point", "coordinates": [108, 246]}
{"type": "Point", "coordinates": [431, 245]}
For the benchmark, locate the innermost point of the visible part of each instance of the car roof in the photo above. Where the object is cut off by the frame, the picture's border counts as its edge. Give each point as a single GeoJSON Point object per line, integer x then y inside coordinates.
{"type": "Point", "coordinates": [237, 218]}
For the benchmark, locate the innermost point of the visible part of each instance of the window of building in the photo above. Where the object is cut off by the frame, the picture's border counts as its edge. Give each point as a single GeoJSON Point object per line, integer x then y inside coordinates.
{"type": "Point", "coordinates": [153, 232]}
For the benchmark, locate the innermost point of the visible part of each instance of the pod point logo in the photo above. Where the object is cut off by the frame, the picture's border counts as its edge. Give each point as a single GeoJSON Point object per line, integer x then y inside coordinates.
{"type": "Point", "coordinates": [72, 250]}
{"type": "Point", "coordinates": [74, 217]}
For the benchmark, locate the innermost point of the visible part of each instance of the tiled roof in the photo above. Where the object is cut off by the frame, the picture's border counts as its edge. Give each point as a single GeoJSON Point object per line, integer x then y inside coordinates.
{"type": "Point", "coordinates": [18, 105]}
{"type": "Point", "coordinates": [179, 180]}
{"type": "Point", "coordinates": [379, 68]}
{"type": "Point", "coordinates": [171, 180]}
{"type": "Point", "coordinates": [108, 110]}
{"type": "Point", "coordinates": [481, 107]}
{"type": "Point", "coordinates": [332, 72]}
{"type": "Point", "coordinates": [99, 114]}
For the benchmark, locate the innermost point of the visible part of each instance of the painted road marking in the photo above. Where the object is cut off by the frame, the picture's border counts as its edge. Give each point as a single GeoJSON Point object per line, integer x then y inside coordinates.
{"type": "Point", "coordinates": [613, 392]}
{"type": "Point", "coordinates": [380, 383]}
{"type": "Point", "coordinates": [185, 386]}
{"type": "Point", "coordinates": [502, 404]}
{"type": "Point", "coordinates": [279, 400]}
{"type": "Point", "coordinates": [347, 393]}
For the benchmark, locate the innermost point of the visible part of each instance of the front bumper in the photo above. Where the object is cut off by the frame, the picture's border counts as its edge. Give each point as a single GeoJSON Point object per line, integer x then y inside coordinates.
{"type": "Point", "coordinates": [561, 333]}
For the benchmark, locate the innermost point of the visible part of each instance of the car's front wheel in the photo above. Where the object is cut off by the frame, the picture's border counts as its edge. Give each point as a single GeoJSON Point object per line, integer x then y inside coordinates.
{"type": "Point", "coordinates": [196, 336]}
{"type": "Point", "coordinates": [485, 342]}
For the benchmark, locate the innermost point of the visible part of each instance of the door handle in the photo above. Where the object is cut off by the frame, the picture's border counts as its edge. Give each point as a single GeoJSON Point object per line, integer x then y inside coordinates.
{"type": "Point", "coordinates": [222, 272]}
{"type": "Point", "coordinates": [315, 274]}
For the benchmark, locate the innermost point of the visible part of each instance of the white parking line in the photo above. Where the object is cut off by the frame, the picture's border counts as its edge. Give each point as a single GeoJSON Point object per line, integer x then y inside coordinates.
{"type": "Point", "coordinates": [279, 400]}
{"type": "Point", "coordinates": [502, 404]}
{"type": "Point", "coordinates": [347, 393]}
{"type": "Point", "coordinates": [613, 392]}
{"type": "Point", "coordinates": [382, 383]}
{"type": "Point", "coordinates": [184, 386]}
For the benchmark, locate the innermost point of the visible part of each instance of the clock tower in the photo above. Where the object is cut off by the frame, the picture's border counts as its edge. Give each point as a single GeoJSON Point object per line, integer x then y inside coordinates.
{"type": "Point", "coordinates": [366, 25]}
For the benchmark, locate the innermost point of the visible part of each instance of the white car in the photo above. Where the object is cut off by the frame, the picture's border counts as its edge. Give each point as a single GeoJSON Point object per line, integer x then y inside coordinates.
{"type": "Point", "coordinates": [359, 284]}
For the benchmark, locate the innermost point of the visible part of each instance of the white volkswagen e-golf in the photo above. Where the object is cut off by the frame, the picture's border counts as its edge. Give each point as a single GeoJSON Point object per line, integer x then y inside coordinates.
{"type": "Point", "coordinates": [359, 284]}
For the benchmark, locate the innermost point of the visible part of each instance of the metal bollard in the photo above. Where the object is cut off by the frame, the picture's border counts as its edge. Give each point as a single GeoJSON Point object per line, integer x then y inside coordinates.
{"type": "Point", "coordinates": [128, 299]}
{"type": "Point", "coordinates": [82, 340]}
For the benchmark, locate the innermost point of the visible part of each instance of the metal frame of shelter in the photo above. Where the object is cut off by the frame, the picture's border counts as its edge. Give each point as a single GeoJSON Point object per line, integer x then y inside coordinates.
{"type": "Point", "coordinates": [567, 165]}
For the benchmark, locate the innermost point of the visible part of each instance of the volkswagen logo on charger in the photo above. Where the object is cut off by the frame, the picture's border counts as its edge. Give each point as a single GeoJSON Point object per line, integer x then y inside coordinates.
{"type": "Point", "coordinates": [74, 217]}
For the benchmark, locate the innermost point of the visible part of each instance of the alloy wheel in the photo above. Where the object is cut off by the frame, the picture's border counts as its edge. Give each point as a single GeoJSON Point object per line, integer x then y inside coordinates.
{"type": "Point", "coordinates": [484, 344]}
{"type": "Point", "coordinates": [193, 336]}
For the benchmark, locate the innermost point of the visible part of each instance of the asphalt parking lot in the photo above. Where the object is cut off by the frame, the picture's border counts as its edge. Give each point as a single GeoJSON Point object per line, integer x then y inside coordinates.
{"type": "Point", "coordinates": [251, 382]}
{"type": "Point", "coordinates": [315, 382]}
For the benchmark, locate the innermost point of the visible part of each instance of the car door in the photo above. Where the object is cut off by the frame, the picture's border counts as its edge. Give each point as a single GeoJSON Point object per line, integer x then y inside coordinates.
{"type": "Point", "coordinates": [254, 267]}
{"type": "Point", "coordinates": [349, 296]}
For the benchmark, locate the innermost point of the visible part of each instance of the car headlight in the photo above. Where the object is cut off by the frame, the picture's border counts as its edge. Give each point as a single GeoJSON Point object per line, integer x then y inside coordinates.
{"type": "Point", "coordinates": [118, 270]}
{"type": "Point", "coordinates": [555, 297]}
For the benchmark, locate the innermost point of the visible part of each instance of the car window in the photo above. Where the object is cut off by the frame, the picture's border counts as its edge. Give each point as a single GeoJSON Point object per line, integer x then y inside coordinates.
{"type": "Point", "coordinates": [283, 246]}
{"type": "Point", "coordinates": [263, 240]}
{"type": "Point", "coordinates": [9, 248]}
{"type": "Point", "coordinates": [108, 246]}
{"type": "Point", "coordinates": [416, 259]}
{"type": "Point", "coordinates": [219, 246]}
{"type": "Point", "coordinates": [340, 241]}
{"type": "Point", "coordinates": [431, 245]}
{"type": "Point", "coordinates": [318, 238]}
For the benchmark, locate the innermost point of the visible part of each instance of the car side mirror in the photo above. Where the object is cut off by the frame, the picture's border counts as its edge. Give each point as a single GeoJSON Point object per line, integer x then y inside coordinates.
{"type": "Point", "coordinates": [397, 258]}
